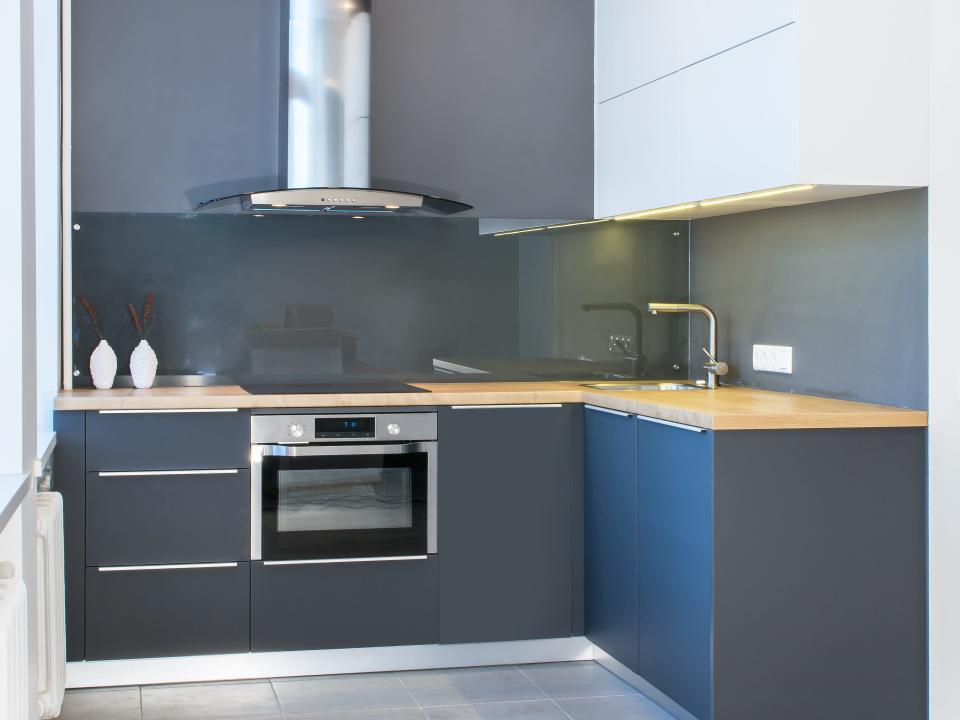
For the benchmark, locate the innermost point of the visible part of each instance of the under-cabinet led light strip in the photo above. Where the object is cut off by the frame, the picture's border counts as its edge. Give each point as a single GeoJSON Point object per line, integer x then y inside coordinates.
{"type": "Point", "coordinates": [670, 209]}
{"type": "Point", "coordinates": [715, 201]}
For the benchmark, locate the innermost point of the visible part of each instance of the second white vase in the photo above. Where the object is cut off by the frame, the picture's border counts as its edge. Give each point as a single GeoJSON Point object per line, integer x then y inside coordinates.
{"type": "Point", "coordinates": [143, 365]}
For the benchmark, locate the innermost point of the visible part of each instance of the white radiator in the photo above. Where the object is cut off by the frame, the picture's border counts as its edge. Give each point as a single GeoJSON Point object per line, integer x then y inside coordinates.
{"type": "Point", "coordinates": [51, 627]}
{"type": "Point", "coordinates": [14, 703]}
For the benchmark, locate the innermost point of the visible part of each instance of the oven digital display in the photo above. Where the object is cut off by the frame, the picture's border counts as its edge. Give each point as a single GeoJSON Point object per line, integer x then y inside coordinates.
{"type": "Point", "coordinates": [344, 427]}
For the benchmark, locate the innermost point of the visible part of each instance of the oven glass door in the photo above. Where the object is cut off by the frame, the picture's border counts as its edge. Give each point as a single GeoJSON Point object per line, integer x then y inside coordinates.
{"type": "Point", "coordinates": [342, 502]}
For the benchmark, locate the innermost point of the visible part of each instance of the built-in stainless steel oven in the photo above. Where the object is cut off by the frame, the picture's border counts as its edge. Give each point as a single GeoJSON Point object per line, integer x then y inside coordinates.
{"type": "Point", "coordinates": [330, 488]}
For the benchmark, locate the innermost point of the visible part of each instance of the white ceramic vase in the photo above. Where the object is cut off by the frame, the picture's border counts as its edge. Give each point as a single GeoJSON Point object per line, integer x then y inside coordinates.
{"type": "Point", "coordinates": [103, 366]}
{"type": "Point", "coordinates": [143, 365]}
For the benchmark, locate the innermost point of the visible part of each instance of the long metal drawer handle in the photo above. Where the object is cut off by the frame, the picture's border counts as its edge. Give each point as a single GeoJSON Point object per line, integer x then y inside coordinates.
{"type": "Point", "coordinates": [147, 473]}
{"type": "Point", "coordinates": [670, 423]}
{"type": "Point", "coordinates": [334, 561]}
{"type": "Point", "coordinates": [608, 411]}
{"type": "Point", "coordinates": [313, 450]}
{"type": "Point", "coordinates": [530, 406]}
{"type": "Point", "coordinates": [168, 411]}
{"type": "Point", "coordinates": [147, 568]}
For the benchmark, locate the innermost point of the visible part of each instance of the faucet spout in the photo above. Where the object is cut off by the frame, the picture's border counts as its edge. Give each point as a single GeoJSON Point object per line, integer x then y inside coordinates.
{"type": "Point", "coordinates": [713, 367]}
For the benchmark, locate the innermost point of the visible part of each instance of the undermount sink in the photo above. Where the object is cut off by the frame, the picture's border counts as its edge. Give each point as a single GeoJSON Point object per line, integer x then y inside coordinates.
{"type": "Point", "coordinates": [630, 387]}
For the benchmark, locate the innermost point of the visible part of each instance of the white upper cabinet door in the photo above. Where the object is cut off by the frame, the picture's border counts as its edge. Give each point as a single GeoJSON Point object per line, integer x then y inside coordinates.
{"type": "Point", "coordinates": [697, 135]}
{"type": "Point", "coordinates": [699, 101]}
{"type": "Point", "coordinates": [639, 41]}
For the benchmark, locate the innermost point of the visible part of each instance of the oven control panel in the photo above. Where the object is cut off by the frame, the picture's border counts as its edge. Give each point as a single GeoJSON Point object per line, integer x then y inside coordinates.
{"type": "Point", "coordinates": [343, 428]}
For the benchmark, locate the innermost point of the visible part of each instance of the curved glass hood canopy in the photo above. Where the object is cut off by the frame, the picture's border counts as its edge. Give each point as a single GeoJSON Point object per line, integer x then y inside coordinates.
{"type": "Point", "coordinates": [325, 123]}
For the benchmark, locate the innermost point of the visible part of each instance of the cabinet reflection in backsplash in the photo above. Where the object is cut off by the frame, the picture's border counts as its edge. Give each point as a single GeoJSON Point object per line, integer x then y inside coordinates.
{"type": "Point", "coordinates": [410, 297]}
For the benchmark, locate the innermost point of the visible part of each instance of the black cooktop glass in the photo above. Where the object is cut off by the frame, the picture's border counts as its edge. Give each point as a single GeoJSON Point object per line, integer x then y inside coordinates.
{"type": "Point", "coordinates": [326, 386]}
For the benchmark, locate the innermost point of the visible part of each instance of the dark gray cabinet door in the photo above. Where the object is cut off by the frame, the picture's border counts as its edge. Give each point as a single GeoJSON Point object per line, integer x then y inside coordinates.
{"type": "Point", "coordinates": [341, 605]}
{"type": "Point", "coordinates": [505, 523]}
{"type": "Point", "coordinates": [205, 440]}
{"type": "Point", "coordinates": [137, 519]}
{"type": "Point", "coordinates": [611, 533]}
{"type": "Point", "coordinates": [162, 612]}
{"type": "Point", "coordinates": [675, 561]}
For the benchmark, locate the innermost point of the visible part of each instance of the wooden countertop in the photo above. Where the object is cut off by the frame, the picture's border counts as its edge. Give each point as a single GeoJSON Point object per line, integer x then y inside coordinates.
{"type": "Point", "coordinates": [728, 408]}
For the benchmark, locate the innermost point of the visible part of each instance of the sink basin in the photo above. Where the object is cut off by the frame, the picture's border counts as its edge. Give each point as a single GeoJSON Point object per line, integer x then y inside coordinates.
{"type": "Point", "coordinates": [630, 387]}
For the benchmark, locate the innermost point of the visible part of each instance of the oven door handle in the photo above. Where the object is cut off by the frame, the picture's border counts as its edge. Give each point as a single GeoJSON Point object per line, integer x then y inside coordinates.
{"type": "Point", "coordinates": [327, 450]}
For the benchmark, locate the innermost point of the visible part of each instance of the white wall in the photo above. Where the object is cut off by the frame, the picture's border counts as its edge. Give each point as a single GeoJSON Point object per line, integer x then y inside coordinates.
{"type": "Point", "coordinates": [47, 194]}
{"type": "Point", "coordinates": [11, 275]}
{"type": "Point", "coordinates": [944, 298]}
{"type": "Point", "coordinates": [18, 272]}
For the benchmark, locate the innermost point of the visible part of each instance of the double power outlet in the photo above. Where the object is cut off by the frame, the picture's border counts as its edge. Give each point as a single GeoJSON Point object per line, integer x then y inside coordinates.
{"type": "Point", "coordinates": [773, 358]}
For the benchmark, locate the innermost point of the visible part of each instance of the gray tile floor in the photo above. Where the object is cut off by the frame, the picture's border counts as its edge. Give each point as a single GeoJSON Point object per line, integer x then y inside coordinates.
{"type": "Point", "coordinates": [553, 691]}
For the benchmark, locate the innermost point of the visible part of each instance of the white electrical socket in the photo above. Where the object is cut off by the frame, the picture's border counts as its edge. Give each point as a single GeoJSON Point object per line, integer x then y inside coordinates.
{"type": "Point", "coordinates": [773, 358]}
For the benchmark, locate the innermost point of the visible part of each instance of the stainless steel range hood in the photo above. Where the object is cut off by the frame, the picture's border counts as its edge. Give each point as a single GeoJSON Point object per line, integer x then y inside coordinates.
{"type": "Point", "coordinates": [325, 151]}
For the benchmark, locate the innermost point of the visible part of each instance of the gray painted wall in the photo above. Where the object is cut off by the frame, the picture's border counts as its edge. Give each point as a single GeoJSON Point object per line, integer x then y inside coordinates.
{"type": "Point", "coordinates": [176, 101]}
{"type": "Point", "coordinates": [843, 282]}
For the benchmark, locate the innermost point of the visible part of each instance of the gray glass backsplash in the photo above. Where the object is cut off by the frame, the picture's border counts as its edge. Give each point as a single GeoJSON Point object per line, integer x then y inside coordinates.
{"type": "Point", "coordinates": [402, 297]}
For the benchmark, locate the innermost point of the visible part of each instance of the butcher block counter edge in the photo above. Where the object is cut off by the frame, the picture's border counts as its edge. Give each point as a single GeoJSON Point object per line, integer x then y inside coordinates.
{"type": "Point", "coordinates": [727, 408]}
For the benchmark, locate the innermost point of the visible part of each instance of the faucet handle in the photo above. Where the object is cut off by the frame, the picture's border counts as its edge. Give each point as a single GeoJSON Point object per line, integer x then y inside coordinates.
{"type": "Point", "coordinates": [715, 366]}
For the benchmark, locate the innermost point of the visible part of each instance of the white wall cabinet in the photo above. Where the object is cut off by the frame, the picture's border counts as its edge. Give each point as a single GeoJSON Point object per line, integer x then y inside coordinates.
{"type": "Point", "coordinates": [696, 101]}
{"type": "Point", "coordinates": [639, 41]}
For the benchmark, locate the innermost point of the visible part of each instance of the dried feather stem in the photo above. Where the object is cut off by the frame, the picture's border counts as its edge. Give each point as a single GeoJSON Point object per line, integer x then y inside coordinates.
{"type": "Point", "coordinates": [92, 316]}
{"type": "Point", "coordinates": [135, 318]}
{"type": "Point", "coordinates": [148, 308]}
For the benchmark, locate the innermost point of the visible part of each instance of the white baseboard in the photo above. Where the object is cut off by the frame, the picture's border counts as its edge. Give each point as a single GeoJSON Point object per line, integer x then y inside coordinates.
{"type": "Point", "coordinates": [246, 666]}
{"type": "Point", "coordinates": [631, 678]}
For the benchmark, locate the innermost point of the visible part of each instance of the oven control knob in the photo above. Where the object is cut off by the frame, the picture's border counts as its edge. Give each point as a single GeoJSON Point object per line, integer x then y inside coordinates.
{"type": "Point", "coordinates": [393, 429]}
{"type": "Point", "coordinates": [296, 430]}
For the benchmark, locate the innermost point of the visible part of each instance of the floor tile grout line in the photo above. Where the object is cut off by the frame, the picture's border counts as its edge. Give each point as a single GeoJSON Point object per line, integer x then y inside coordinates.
{"type": "Point", "coordinates": [530, 680]}
{"type": "Point", "coordinates": [412, 697]}
{"type": "Point", "coordinates": [276, 696]}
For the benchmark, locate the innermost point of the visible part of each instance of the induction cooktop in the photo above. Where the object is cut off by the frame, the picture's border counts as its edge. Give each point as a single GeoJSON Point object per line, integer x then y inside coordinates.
{"type": "Point", "coordinates": [257, 386]}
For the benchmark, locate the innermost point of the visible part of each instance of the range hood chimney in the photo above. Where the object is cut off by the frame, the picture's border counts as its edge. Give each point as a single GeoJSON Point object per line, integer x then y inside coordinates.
{"type": "Point", "coordinates": [325, 124]}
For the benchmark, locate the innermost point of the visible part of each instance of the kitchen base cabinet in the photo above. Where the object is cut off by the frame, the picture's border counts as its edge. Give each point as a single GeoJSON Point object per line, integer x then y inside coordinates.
{"type": "Point", "coordinates": [212, 439]}
{"type": "Point", "coordinates": [675, 560]}
{"type": "Point", "coordinates": [506, 530]}
{"type": "Point", "coordinates": [69, 481]}
{"type": "Point", "coordinates": [767, 574]}
{"type": "Point", "coordinates": [611, 518]}
{"type": "Point", "coordinates": [315, 606]}
{"type": "Point", "coordinates": [167, 611]}
{"type": "Point", "coordinates": [820, 574]}
{"type": "Point", "coordinates": [156, 518]}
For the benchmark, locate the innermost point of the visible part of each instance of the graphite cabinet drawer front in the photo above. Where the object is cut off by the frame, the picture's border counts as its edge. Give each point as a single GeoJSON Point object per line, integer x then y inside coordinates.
{"type": "Point", "coordinates": [166, 611]}
{"type": "Point", "coordinates": [343, 605]}
{"type": "Point", "coordinates": [167, 517]}
{"type": "Point", "coordinates": [181, 440]}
